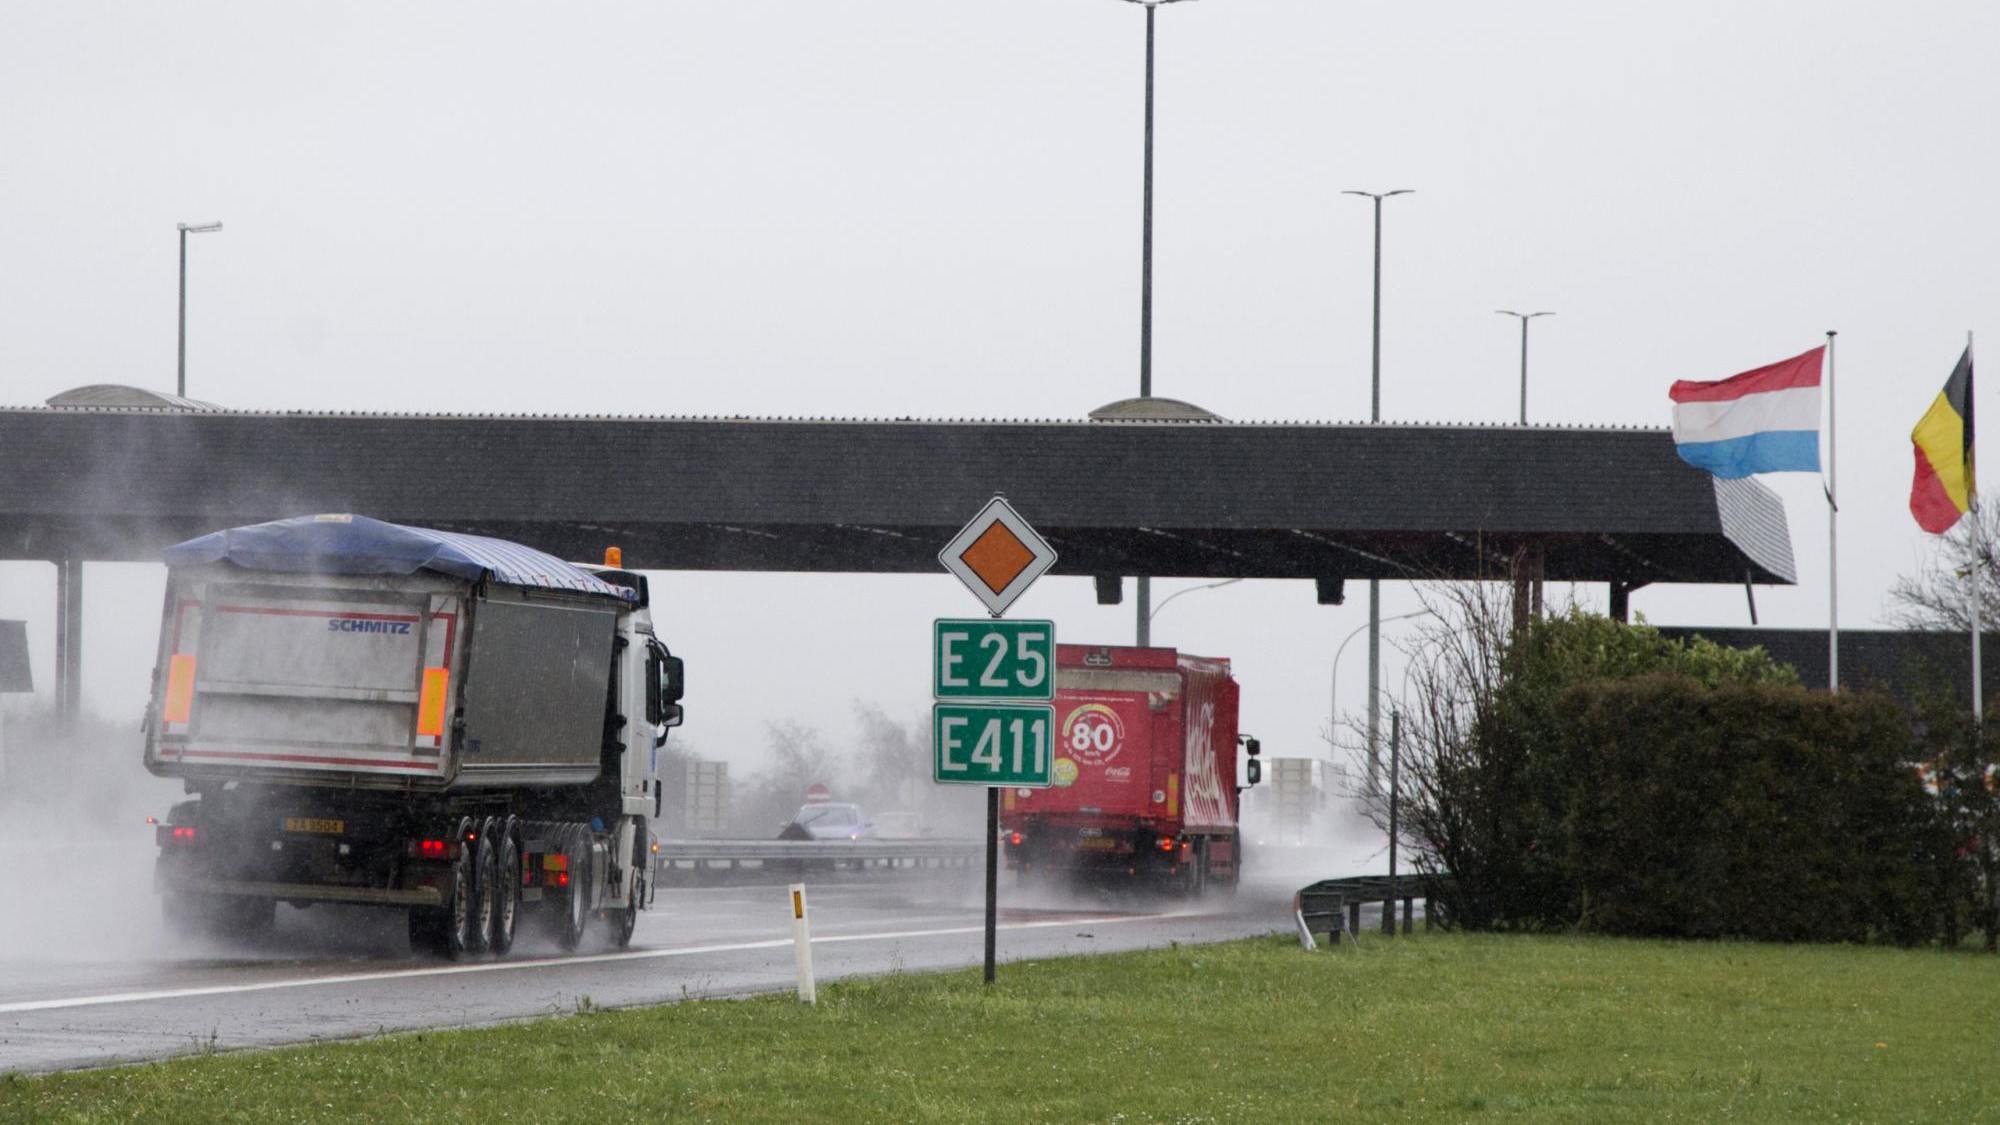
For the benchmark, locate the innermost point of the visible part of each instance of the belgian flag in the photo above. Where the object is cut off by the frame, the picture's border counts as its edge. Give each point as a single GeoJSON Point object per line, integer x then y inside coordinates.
{"type": "Point", "coordinates": [1944, 487]}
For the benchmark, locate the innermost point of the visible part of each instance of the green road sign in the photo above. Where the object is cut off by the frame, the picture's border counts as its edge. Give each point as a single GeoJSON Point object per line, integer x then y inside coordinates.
{"type": "Point", "coordinates": [993, 659]}
{"type": "Point", "coordinates": [992, 744]}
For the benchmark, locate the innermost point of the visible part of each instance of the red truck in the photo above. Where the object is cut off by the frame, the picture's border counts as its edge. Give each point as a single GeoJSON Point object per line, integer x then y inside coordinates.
{"type": "Point", "coordinates": [1145, 773]}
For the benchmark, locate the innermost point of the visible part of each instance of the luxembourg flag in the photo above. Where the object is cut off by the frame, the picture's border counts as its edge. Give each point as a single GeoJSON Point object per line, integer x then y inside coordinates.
{"type": "Point", "coordinates": [1762, 421]}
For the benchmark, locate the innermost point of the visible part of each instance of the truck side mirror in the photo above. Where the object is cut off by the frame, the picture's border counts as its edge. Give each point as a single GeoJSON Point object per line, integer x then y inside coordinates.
{"type": "Point", "coordinates": [673, 681]}
{"type": "Point", "coordinates": [673, 684]}
{"type": "Point", "coordinates": [1251, 746]}
{"type": "Point", "coordinates": [1256, 771]}
{"type": "Point", "coordinates": [665, 683]}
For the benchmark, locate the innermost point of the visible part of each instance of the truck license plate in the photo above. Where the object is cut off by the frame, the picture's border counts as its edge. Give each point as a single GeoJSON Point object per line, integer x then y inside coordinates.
{"type": "Point", "coordinates": [315, 824]}
{"type": "Point", "coordinates": [1098, 844]}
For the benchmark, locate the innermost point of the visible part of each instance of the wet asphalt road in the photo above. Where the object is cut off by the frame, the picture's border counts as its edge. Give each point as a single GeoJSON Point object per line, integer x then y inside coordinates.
{"type": "Point", "coordinates": [119, 992]}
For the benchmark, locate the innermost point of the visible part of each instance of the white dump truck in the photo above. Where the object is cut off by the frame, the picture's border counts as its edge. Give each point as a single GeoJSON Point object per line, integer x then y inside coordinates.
{"type": "Point", "coordinates": [364, 713]}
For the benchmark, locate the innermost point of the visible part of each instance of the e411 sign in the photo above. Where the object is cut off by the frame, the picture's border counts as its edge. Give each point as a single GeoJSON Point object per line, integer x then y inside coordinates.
{"type": "Point", "coordinates": [992, 724]}
{"type": "Point", "coordinates": [992, 744]}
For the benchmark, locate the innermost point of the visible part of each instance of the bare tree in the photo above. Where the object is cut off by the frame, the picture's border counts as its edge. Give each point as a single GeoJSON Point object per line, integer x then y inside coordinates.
{"type": "Point", "coordinates": [1939, 595]}
{"type": "Point", "coordinates": [1444, 816]}
{"type": "Point", "coordinates": [893, 756]}
{"type": "Point", "coordinates": [800, 756]}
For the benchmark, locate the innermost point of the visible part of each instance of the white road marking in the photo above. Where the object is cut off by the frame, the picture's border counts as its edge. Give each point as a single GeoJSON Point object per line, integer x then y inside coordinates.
{"type": "Point", "coordinates": [549, 962]}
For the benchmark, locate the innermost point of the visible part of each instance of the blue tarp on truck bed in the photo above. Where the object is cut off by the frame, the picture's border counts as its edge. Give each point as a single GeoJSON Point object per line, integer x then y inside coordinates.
{"type": "Point", "coordinates": [348, 544]}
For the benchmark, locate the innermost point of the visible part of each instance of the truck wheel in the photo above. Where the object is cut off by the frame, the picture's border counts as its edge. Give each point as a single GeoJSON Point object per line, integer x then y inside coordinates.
{"type": "Point", "coordinates": [627, 919]}
{"type": "Point", "coordinates": [486, 891]}
{"type": "Point", "coordinates": [463, 933]}
{"type": "Point", "coordinates": [507, 886]}
{"type": "Point", "coordinates": [623, 923]}
{"type": "Point", "coordinates": [575, 905]}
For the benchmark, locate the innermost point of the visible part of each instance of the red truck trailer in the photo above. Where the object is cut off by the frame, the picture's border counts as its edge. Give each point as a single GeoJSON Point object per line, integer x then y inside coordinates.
{"type": "Point", "coordinates": [1145, 773]}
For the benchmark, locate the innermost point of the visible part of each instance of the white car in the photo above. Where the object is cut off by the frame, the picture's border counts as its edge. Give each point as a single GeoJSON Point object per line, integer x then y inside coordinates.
{"type": "Point", "coordinates": [828, 821]}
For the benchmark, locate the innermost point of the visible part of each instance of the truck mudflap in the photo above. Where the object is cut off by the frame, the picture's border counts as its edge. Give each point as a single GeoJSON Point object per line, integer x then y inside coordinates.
{"type": "Point", "coordinates": [301, 892]}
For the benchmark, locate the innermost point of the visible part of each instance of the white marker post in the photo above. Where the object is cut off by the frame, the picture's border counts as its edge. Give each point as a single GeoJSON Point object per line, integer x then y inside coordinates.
{"type": "Point", "coordinates": [802, 952]}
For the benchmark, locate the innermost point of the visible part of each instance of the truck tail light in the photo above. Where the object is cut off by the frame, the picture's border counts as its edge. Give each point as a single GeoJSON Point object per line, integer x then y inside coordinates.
{"type": "Point", "coordinates": [1166, 843]}
{"type": "Point", "coordinates": [168, 835]}
{"type": "Point", "coordinates": [1015, 839]}
{"type": "Point", "coordinates": [430, 702]}
{"type": "Point", "coordinates": [180, 688]}
{"type": "Point", "coordinates": [433, 849]}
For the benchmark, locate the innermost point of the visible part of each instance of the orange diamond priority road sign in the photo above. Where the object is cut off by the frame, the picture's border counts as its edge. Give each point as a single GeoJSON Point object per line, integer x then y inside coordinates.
{"type": "Point", "coordinates": [998, 556]}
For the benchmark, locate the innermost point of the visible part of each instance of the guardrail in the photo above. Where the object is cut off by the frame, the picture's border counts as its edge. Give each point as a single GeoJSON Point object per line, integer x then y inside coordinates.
{"type": "Point", "coordinates": [702, 859]}
{"type": "Point", "coordinates": [1333, 906]}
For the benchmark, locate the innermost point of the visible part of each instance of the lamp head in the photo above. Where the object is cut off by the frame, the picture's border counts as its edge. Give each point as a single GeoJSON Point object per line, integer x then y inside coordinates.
{"type": "Point", "coordinates": [198, 228]}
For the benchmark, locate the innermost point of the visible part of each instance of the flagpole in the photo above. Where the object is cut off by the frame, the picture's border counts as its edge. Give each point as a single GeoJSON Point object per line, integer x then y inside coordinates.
{"type": "Point", "coordinates": [1832, 538]}
{"type": "Point", "coordinates": [1978, 535]}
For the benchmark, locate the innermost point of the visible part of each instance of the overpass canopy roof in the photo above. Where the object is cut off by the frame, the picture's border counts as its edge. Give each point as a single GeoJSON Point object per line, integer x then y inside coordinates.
{"type": "Point", "coordinates": [1165, 498]}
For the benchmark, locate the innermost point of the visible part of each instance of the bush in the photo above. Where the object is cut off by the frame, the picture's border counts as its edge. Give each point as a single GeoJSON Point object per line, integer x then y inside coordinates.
{"type": "Point", "coordinates": [1741, 809]}
{"type": "Point", "coordinates": [1588, 775]}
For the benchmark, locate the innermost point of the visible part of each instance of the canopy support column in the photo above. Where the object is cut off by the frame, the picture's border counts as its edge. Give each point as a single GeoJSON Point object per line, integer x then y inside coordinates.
{"type": "Point", "coordinates": [69, 638]}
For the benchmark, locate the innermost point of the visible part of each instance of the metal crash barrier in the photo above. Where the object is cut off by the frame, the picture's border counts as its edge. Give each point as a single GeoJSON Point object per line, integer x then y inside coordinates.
{"type": "Point", "coordinates": [1333, 906]}
{"type": "Point", "coordinates": [720, 860]}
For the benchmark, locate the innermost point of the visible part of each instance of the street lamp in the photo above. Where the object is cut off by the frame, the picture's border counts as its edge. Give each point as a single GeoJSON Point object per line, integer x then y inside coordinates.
{"type": "Point", "coordinates": [1525, 318]}
{"type": "Point", "coordinates": [1144, 599]}
{"type": "Point", "coordinates": [1375, 415]}
{"type": "Point", "coordinates": [181, 373]}
{"type": "Point", "coordinates": [1333, 687]}
{"type": "Point", "coordinates": [1189, 590]}
{"type": "Point", "coordinates": [1375, 354]}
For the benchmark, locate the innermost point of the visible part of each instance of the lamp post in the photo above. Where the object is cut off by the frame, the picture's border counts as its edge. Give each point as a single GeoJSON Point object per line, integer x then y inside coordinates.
{"type": "Point", "coordinates": [1524, 318]}
{"type": "Point", "coordinates": [1146, 219]}
{"type": "Point", "coordinates": [180, 370]}
{"type": "Point", "coordinates": [1189, 590]}
{"type": "Point", "coordinates": [1375, 352]}
{"type": "Point", "coordinates": [1333, 687]}
{"type": "Point", "coordinates": [1375, 415]}
{"type": "Point", "coordinates": [1144, 630]}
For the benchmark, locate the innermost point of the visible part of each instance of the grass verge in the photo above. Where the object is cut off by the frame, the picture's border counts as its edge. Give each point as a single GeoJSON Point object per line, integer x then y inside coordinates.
{"type": "Point", "coordinates": [1430, 1028]}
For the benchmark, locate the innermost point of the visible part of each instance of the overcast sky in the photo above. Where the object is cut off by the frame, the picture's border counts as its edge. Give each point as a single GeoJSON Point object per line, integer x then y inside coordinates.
{"type": "Point", "coordinates": [930, 208]}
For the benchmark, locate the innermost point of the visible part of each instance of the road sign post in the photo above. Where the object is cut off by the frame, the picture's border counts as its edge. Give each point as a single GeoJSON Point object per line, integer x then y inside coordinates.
{"type": "Point", "coordinates": [994, 681]}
